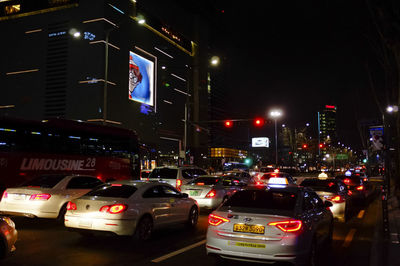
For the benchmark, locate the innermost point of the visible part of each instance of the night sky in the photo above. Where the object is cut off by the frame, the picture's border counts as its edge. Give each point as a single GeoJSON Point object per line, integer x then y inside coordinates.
{"type": "Point", "coordinates": [299, 56]}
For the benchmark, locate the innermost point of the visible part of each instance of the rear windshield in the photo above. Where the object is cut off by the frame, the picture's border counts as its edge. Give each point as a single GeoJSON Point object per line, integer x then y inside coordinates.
{"type": "Point", "coordinates": [269, 175]}
{"type": "Point", "coordinates": [192, 173]}
{"type": "Point", "coordinates": [266, 170]}
{"type": "Point", "coordinates": [167, 173]}
{"type": "Point", "coordinates": [113, 191]}
{"type": "Point", "coordinates": [352, 180]}
{"type": "Point", "coordinates": [45, 181]}
{"type": "Point", "coordinates": [262, 201]}
{"type": "Point", "coordinates": [205, 181]}
{"type": "Point", "coordinates": [320, 185]}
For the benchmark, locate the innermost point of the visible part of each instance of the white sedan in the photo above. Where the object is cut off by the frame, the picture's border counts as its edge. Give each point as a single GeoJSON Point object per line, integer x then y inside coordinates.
{"type": "Point", "coordinates": [131, 208]}
{"type": "Point", "coordinates": [46, 196]}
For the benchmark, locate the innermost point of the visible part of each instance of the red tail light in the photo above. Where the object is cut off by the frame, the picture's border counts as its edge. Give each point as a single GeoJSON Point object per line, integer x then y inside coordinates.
{"type": "Point", "coordinates": [71, 206]}
{"type": "Point", "coordinates": [359, 188]}
{"type": "Point", "coordinates": [178, 184]}
{"type": "Point", "coordinates": [5, 195]}
{"type": "Point", "coordinates": [288, 226]}
{"type": "Point", "coordinates": [216, 220]}
{"type": "Point", "coordinates": [346, 181]}
{"type": "Point", "coordinates": [41, 196]}
{"type": "Point", "coordinates": [200, 184]}
{"type": "Point", "coordinates": [349, 193]}
{"type": "Point", "coordinates": [114, 209]}
{"type": "Point", "coordinates": [211, 194]}
{"type": "Point", "coordinates": [337, 199]}
{"type": "Point", "coordinates": [365, 179]}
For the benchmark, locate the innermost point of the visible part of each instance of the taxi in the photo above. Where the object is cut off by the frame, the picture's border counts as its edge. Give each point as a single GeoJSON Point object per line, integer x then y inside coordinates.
{"type": "Point", "coordinates": [282, 223]}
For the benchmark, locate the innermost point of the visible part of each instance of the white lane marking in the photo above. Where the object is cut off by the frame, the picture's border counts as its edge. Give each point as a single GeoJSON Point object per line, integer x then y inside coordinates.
{"type": "Point", "coordinates": [349, 238]}
{"type": "Point", "coordinates": [361, 214]}
{"type": "Point", "coordinates": [179, 251]}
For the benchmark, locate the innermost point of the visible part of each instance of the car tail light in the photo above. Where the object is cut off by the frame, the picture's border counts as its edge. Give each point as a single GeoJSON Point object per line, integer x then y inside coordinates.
{"type": "Point", "coordinates": [41, 196]}
{"type": "Point", "coordinates": [216, 220]}
{"type": "Point", "coordinates": [288, 226]}
{"type": "Point", "coordinates": [365, 179]}
{"type": "Point", "coordinates": [349, 193]}
{"type": "Point", "coordinates": [346, 181]}
{"type": "Point", "coordinates": [200, 184]}
{"type": "Point", "coordinates": [211, 194]}
{"type": "Point", "coordinates": [113, 209]}
{"type": "Point", "coordinates": [337, 199]}
{"type": "Point", "coordinates": [178, 184]}
{"type": "Point", "coordinates": [5, 195]}
{"type": "Point", "coordinates": [359, 188]}
{"type": "Point", "coordinates": [71, 206]}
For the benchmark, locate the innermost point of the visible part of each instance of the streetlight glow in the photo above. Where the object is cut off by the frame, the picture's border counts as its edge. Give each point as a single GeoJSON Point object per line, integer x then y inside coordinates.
{"type": "Point", "coordinates": [275, 113]}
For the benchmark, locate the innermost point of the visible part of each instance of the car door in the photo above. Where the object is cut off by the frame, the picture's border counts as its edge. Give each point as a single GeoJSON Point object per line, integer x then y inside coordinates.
{"type": "Point", "coordinates": [321, 219]}
{"type": "Point", "coordinates": [154, 199]}
{"type": "Point", "coordinates": [179, 209]}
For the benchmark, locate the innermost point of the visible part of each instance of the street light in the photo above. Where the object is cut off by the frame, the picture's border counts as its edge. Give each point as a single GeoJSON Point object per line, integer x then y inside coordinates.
{"type": "Point", "coordinates": [275, 114]}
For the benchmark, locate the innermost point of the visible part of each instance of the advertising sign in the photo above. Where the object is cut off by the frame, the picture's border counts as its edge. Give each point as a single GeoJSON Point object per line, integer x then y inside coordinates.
{"type": "Point", "coordinates": [376, 137]}
{"type": "Point", "coordinates": [260, 142]}
{"type": "Point", "coordinates": [141, 79]}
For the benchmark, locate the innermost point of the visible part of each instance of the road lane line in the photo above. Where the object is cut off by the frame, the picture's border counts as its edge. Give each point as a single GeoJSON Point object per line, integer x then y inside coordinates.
{"type": "Point", "coordinates": [349, 238]}
{"type": "Point", "coordinates": [361, 214]}
{"type": "Point", "coordinates": [179, 251]}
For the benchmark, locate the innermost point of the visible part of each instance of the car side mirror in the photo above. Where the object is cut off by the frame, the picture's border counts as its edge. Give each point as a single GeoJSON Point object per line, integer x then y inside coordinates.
{"type": "Point", "coordinates": [327, 204]}
{"type": "Point", "coordinates": [184, 195]}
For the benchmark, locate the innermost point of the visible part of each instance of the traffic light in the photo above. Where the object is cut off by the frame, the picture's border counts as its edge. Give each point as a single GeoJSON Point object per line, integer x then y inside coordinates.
{"type": "Point", "coordinates": [228, 123]}
{"type": "Point", "coordinates": [305, 146]}
{"type": "Point", "coordinates": [321, 145]}
{"type": "Point", "coordinates": [258, 122]}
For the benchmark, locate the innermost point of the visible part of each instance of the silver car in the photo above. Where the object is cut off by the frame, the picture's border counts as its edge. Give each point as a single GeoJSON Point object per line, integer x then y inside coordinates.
{"type": "Point", "coordinates": [211, 191]}
{"type": "Point", "coordinates": [175, 176]}
{"type": "Point", "coordinates": [268, 225]}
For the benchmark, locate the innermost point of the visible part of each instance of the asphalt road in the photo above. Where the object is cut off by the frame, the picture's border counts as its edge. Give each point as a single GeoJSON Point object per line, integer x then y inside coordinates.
{"type": "Point", "coordinates": [46, 242]}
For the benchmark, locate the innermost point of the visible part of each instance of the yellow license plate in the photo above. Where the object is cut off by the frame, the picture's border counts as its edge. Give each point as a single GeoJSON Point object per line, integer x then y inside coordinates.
{"type": "Point", "coordinates": [247, 228]}
{"type": "Point", "coordinates": [246, 245]}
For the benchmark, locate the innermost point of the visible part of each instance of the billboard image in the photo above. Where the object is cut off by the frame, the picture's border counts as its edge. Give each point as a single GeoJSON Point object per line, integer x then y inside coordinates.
{"type": "Point", "coordinates": [260, 142]}
{"type": "Point", "coordinates": [141, 79]}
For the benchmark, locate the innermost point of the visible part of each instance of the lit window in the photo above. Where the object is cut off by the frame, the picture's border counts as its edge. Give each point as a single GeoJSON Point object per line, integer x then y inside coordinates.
{"type": "Point", "coordinates": [8, 10]}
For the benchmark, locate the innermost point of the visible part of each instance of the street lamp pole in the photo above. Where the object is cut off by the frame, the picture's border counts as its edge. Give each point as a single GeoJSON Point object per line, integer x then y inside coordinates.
{"type": "Point", "coordinates": [275, 114]}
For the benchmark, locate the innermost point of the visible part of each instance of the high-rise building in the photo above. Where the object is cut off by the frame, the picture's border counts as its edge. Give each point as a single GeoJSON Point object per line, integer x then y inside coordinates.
{"type": "Point", "coordinates": [327, 124]}
{"type": "Point", "coordinates": [133, 64]}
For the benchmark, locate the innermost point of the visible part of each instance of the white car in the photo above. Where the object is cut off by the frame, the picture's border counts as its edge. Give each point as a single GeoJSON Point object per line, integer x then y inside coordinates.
{"type": "Point", "coordinates": [131, 208]}
{"type": "Point", "coordinates": [175, 176]}
{"type": "Point", "coordinates": [46, 196]}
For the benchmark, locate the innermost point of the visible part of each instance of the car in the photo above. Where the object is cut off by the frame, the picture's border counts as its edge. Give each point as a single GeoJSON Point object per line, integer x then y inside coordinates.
{"type": "Point", "coordinates": [131, 208]}
{"type": "Point", "coordinates": [8, 236]}
{"type": "Point", "coordinates": [359, 189]}
{"type": "Point", "coordinates": [242, 175]}
{"type": "Point", "coordinates": [46, 196]}
{"type": "Point", "coordinates": [335, 191]}
{"type": "Point", "coordinates": [176, 176]}
{"type": "Point", "coordinates": [211, 191]}
{"type": "Point", "coordinates": [265, 177]}
{"type": "Point", "coordinates": [144, 174]}
{"type": "Point", "coordinates": [269, 224]}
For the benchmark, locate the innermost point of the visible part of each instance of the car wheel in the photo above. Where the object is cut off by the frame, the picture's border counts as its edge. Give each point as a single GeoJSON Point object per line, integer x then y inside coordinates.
{"type": "Point", "coordinates": [144, 228]}
{"type": "Point", "coordinates": [193, 217]}
{"type": "Point", "coordinates": [61, 213]}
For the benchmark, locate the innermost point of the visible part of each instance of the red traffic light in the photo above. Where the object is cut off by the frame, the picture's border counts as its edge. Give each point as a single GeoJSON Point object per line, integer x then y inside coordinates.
{"type": "Point", "coordinates": [259, 122]}
{"type": "Point", "coordinates": [321, 145]}
{"type": "Point", "coordinates": [228, 123]}
{"type": "Point", "coordinates": [305, 146]}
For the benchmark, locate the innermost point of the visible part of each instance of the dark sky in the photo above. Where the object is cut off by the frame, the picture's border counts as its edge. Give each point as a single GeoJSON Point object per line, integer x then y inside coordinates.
{"type": "Point", "coordinates": [298, 55]}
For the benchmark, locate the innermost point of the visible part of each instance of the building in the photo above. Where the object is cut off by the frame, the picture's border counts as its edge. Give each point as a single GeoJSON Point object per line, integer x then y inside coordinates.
{"type": "Point", "coordinates": [327, 125]}
{"type": "Point", "coordinates": [124, 63]}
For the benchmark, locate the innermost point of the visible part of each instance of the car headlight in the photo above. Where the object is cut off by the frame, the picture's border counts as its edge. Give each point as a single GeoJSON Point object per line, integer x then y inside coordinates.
{"type": "Point", "coordinates": [9, 221]}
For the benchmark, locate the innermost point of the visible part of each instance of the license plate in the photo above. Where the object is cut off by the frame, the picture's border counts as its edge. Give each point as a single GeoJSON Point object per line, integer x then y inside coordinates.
{"type": "Point", "coordinates": [18, 196]}
{"type": "Point", "coordinates": [247, 228]}
{"type": "Point", "coordinates": [194, 193]}
{"type": "Point", "coordinates": [85, 223]}
{"type": "Point", "coordinates": [246, 244]}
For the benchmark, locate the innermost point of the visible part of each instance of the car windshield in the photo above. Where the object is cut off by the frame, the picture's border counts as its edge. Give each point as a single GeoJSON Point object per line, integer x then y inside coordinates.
{"type": "Point", "coordinates": [205, 181]}
{"type": "Point", "coordinates": [113, 191]}
{"type": "Point", "coordinates": [167, 173]}
{"type": "Point", "coordinates": [45, 181]}
{"type": "Point", "coordinates": [192, 173]}
{"type": "Point", "coordinates": [320, 185]}
{"type": "Point", "coordinates": [262, 201]}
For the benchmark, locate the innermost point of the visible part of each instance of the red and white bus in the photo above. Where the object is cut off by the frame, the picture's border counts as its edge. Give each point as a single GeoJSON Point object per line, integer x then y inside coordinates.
{"type": "Point", "coordinates": [30, 148]}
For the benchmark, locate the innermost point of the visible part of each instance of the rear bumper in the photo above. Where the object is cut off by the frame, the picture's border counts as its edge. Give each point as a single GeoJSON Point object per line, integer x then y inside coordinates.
{"type": "Point", "coordinates": [25, 210]}
{"type": "Point", "coordinates": [116, 226]}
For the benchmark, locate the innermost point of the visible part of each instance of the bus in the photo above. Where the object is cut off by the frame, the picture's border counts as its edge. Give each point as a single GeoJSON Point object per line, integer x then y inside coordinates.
{"type": "Point", "coordinates": [60, 146]}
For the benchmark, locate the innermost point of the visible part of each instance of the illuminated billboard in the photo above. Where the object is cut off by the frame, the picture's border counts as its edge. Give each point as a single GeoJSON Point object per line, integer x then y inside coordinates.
{"type": "Point", "coordinates": [141, 79]}
{"type": "Point", "coordinates": [260, 142]}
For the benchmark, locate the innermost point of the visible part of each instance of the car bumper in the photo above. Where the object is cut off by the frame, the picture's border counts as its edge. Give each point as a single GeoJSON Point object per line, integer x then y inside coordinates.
{"type": "Point", "coordinates": [116, 226]}
{"type": "Point", "coordinates": [208, 203]}
{"type": "Point", "coordinates": [339, 211]}
{"type": "Point", "coordinates": [284, 250]}
{"type": "Point", "coordinates": [27, 210]}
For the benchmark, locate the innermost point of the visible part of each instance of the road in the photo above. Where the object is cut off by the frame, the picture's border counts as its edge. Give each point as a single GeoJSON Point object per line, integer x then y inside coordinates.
{"type": "Point", "coordinates": [46, 242]}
